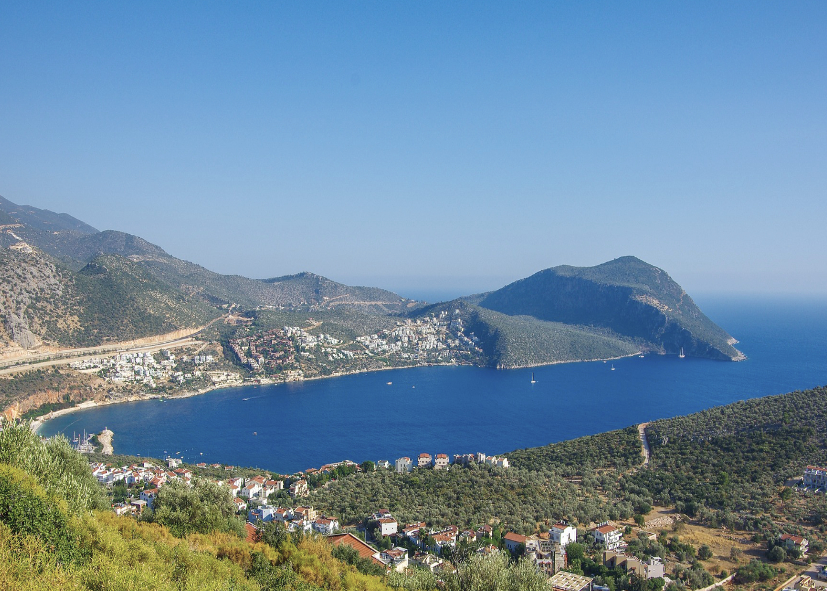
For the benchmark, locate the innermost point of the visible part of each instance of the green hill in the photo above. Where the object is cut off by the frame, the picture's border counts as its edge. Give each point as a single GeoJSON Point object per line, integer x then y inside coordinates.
{"type": "Point", "coordinates": [627, 296]}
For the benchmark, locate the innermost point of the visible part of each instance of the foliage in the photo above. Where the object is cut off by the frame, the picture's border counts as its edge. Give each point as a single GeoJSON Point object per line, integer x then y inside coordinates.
{"type": "Point", "coordinates": [204, 507]}
{"type": "Point", "coordinates": [464, 496]}
{"type": "Point", "coordinates": [26, 510]}
{"type": "Point", "coordinates": [55, 465]}
{"type": "Point", "coordinates": [495, 572]}
{"type": "Point", "coordinates": [728, 460]}
{"type": "Point", "coordinates": [754, 571]}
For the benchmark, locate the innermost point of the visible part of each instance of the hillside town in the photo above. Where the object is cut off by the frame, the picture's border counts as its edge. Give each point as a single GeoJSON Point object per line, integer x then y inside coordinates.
{"type": "Point", "coordinates": [380, 537]}
{"type": "Point", "coordinates": [290, 352]}
{"type": "Point", "coordinates": [144, 368]}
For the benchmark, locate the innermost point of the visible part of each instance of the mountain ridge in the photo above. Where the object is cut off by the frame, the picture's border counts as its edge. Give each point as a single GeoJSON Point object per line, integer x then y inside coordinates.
{"type": "Point", "coordinates": [563, 313]}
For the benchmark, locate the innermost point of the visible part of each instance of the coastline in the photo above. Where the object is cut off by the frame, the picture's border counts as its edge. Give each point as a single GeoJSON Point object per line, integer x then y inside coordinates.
{"type": "Point", "coordinates": [37, 423]}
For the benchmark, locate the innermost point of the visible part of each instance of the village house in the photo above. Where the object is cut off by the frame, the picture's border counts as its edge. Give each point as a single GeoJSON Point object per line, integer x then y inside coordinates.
{"type": "Point", "coordinates": [325, 525]}
{"type": "Point", "coordinates": [815, 477]}
{"type": "Point", "coordinates": [251, 490]}
{"type": "Point", "coordinates": [395, 558]}
{"type": "Point", "coordinates": [262, 513]}
{"type": "Point", "coordinates": [307, 513]}
{"type": "Point", "coordinates": [441, 462]}
{"type": "Point", "coordinates": [383, 464]}
{"type": "Point", "coordinates": [404, 465]}
{"type": "Point", "coordinates": [650, 569]}
{"type": "Point", "coordinates": [148, 496]}
{"type": "Point", "coordinates": [792, 542]}
{"type": "Point", "coordinates": [425, 560]}
{"type": "Point", "coordinates": [548, 556]}
{"type": "Point", "coordinates": [514, 541]}
{"type": "Point", "coordinates": [562, 533]}
{"type": "Point", "coordinates": [424, 460]}
{"type": "Point", "coordinates": [608, 535]}
{"type": "Point", "coordinates": [364, 549]}
{"type": "Point", "coordinates": [299, 489]}
{"type": "Point", "coordinates": [387, 526]}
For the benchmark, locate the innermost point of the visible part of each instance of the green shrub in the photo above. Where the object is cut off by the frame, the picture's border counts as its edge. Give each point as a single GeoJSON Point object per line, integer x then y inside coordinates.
{"type": "Point", "coordinates": [27, 510]}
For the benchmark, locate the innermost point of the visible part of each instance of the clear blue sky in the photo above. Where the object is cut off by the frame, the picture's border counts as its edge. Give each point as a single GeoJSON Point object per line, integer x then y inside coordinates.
{"type": "Point", "coordinates": [431, 145]}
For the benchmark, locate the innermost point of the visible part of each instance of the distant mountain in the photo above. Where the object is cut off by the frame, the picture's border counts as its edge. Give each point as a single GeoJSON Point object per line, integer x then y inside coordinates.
{"type": "Point", "coordinates": [626, 296]}
{"type": "Point", "coordinates": [76, 244]}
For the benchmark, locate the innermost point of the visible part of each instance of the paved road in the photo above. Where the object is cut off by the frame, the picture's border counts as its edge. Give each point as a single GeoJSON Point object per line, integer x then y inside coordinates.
{"type": "Point", "coordinates": [68, 356]}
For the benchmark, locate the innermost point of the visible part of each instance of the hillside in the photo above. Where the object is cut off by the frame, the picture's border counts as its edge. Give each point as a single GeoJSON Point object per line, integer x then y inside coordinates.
{"type": "Point", "coordinates": [520, 341]}
{"type": "Point", "coordinates": [76, 244]}
{"type": "Point", "coordinates": [627, 296]}
{"type": "Point", "coordinates": [110, 299]}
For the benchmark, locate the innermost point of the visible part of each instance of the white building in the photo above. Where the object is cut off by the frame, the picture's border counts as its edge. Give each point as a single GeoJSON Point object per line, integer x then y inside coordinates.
{"type": "Point", "coordinates": [404, 465]}
{"type": "Point", "coordinates": [325, 525]}
{"type": "Point", "coordinates": [608, 535]}
{"type": "Point", "coordinates": [563, 534]}
{"type": "Point", "coordinates": [387, 526]}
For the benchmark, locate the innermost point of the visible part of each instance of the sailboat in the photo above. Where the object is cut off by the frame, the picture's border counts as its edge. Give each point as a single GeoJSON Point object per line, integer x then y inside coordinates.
{"type": "Point", "coordinates": [613, 366]}
{"type": "Point", "coordinates": [533, 381]}
{"type": "Point", "coordinates": [681, 355]}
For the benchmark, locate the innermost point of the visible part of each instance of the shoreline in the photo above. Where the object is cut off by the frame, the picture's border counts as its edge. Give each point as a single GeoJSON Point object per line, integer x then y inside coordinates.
{"type": "Point", "coordinates": [37, 423]}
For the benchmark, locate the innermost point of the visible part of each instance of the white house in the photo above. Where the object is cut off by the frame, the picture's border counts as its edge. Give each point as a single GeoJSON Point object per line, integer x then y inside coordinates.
{"type": "Point", "coordinates": [441, 462]}
{"type": "Point", "coordinates": [608, 535]}
{"type": "Point", "coordinates": [404, 465]}
{"type": "Point", "coordinates": [563, 534]}
{"type": "Point", "coordinates": [387, 526]}
{"type": "Point", "coordinates": [325, 525]}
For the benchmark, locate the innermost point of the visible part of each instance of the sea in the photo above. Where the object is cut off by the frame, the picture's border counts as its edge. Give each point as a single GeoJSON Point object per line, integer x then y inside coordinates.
{"type": "Point", "coordinates": [389, 414]}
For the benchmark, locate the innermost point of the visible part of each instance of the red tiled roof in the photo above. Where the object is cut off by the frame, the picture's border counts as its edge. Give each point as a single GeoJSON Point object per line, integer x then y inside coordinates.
{"type": "Point", "coordinates": [252, 532]}
{"type": "Point", "coordinates": [364, 550]}
{"type": "Point", "coordinates": [512, 537]}
{"type": "Point", "coordinates": [605, 529]}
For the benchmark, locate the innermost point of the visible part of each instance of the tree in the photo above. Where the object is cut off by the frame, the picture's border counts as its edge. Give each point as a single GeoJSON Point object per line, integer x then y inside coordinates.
{"type": "Point", "coordinates": [704, 552]}
{"type": "Point", "coordinates": [202, 508]}
{"type": "Point", "coordinates": [367, 466]}
{"type": "Point", "coordinates": [777, 554]}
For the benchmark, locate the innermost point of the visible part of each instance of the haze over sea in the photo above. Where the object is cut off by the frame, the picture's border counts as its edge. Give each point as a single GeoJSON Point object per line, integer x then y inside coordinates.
{"type": "Point", "coordinates": [286, 428]}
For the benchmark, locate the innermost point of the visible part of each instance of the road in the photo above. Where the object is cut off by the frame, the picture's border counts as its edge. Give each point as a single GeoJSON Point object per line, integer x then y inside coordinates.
{"type": "Point", "coordinates": [67, 356]}
{"type": "Point", "coordinates": [647, 453]}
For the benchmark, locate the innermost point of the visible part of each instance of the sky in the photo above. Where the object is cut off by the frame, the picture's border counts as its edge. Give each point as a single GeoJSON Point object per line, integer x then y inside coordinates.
{"type": "Point", "coordinates": [431, 147]}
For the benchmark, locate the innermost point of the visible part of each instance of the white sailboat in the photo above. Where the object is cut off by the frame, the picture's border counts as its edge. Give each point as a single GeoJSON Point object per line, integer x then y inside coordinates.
{"type": "Point", "coordinates": [613, 366]}
{"type": "Point", "coordinates": [533, 381]}
{"type": "Point", "coordinates": [681, 355]}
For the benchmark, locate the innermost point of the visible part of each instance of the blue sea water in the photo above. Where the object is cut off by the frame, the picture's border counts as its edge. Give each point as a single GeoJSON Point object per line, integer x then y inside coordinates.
{"type": "Point", "coordinates": [291, 427]}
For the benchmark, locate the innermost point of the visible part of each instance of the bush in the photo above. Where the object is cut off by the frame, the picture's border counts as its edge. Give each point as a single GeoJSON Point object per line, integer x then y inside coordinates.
{"type": "Point", "coordinates": [754, 571]}
{"type": "Point", "coordinates": [27, 510]}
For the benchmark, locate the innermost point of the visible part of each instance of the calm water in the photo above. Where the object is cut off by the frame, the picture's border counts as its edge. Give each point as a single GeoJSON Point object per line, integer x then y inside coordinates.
{"type": "Point", "coordinates": [292, 427]}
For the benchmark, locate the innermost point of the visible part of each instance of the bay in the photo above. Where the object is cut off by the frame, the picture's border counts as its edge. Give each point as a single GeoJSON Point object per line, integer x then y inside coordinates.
{"type": "Point", "coordinates": [291, 427]}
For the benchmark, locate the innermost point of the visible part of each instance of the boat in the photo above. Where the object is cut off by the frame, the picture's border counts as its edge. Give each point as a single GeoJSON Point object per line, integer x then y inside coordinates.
{"type": "Point", "coordinates": [390, 383]}
{"type": "Point", "coordinates": [681, 355]}
{"type": "Point", "coordinates": [533, 381]}
{"type": "Point", "coordinates": [613, 366]}
{"type": "Point", "coordinates": [641, 356]}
